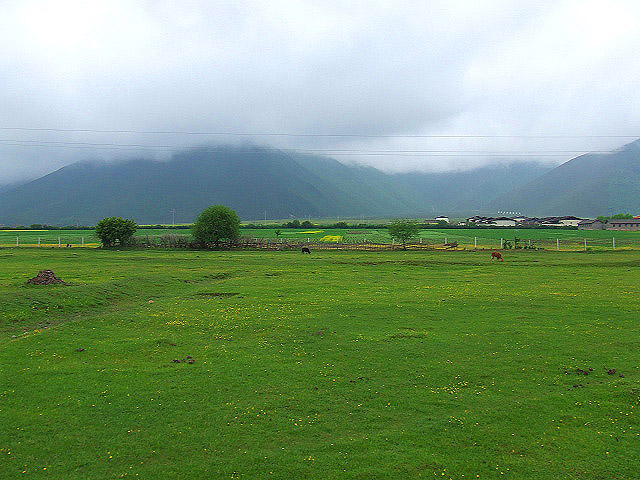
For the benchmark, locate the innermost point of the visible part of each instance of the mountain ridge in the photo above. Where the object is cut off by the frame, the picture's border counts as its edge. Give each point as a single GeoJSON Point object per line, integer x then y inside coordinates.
{"type": "Point", "coordinates": [587, 185]}
{"type": "Point", "coordinates": [253, 180]}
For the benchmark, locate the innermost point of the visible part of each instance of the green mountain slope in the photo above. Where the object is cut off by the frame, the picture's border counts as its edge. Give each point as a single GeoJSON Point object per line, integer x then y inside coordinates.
{"type": "Point", "coordinates": [252, 181]}
{"type": "Point", "coordinates": [470, 191]}
{"type": "Point", "coordinates": [588, 185]}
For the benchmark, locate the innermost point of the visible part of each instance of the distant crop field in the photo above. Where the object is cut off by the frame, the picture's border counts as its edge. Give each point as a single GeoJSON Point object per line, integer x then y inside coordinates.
{"type": "Point", "coordinates": [339, 364]}
{"type": "Point", "coordinates": [467, 238]}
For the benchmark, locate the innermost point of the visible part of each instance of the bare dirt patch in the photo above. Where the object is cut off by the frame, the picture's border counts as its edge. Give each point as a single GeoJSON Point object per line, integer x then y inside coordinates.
{"type": "Point", "coordinates": [45, 277]}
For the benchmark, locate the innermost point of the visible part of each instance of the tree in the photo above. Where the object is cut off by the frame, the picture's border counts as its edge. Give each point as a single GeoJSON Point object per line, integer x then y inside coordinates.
{"type": "Point", "coordinates": [115, 231]}
{"type": "Point", "coordinates": [216, 223]}
{"type": "Point", "coordinates": [403, 230]}
{"type": "Point", "coordinates": [293, 224]}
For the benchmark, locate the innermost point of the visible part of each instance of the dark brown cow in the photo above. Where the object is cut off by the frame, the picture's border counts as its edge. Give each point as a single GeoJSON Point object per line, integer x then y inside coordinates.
{"type": "Point", "coordinates": [497, 255]}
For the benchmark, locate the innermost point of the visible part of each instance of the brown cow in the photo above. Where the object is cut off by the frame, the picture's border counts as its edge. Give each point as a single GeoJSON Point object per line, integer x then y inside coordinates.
{"type": "Point", "coordinates": [497, 255]}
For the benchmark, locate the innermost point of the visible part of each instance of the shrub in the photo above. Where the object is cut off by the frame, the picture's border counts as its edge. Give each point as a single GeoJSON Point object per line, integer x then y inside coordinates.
{"type": "Point", "coordinates": [115, 231]}
{"type": "Point", "coordinates": [216, 223]}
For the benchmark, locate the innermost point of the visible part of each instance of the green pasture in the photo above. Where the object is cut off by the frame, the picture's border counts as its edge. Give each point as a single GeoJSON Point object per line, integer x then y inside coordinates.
{"type": "Point", "coordinates": [356, 365]}
{"type": "Point", "coordinates": [467, 238]}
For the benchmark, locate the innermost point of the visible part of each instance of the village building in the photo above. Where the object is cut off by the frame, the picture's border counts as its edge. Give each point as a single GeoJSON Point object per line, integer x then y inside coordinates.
{"type": "Point", "coordinates": [591, 225]}
{"type": "Point", "coordinates": [624, 224]}
{"type": "Point", "coordinates": [570, 220]}
{"type": "Point", "coordinates": [503, 222]}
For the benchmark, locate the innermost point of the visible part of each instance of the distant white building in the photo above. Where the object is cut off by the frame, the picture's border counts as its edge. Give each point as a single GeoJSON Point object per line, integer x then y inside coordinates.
{"type": "Point", "coordinates": [442, 219]}
{"type": "Point", "coordinates": [503, 222]}
{"type": "Point", "coordinates": [570, 220]}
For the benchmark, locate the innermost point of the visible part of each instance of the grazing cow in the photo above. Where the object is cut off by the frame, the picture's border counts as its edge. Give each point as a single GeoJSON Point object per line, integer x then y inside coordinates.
{"type": "Point", "coordinates": [306, 250]}
{"type": "Point", "coordinates": [497, 255]}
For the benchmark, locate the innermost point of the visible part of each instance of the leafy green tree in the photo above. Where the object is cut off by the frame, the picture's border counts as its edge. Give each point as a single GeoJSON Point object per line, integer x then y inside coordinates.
{"type": "Point", "coordinates": [115, 231]}
{"type": "Point", "coordinates": [216, 223]}
{"type": "Point", "coordinates": [278, 232]}
{"type": "Point", "coordinates": [404, 230]}
{"type": "Point", "coordinates": [622, 216]}
{"type": "Point", "coordinates": [292, 224]}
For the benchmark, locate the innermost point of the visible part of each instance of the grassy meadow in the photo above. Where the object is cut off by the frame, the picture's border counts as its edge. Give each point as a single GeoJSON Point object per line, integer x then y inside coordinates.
{"type": "Point", "coordinates": [467, 238]}
{"type": "Point", "coordinates": [419, 364]}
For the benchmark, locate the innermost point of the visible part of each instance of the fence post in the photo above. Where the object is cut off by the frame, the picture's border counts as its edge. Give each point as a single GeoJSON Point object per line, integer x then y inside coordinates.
{"type": "Point", "coordinates": [83, 241]}
{"type": "Point", "coordinates": [17, 241]}
{"type": "Point", "coordinates": [614, 242]}
{"type": "Point", "coordinates": [475, 242]}
{"type": "Point", "coordinates": [38, 241]}
{"type": "Point", "coordinates": [501, 243]}
{"type": "Point", "coordinates": [585, 244]}
{"type": "Point", "coordinates": [557, 244]}
{"type": "Point", "coordinates": [59, 242]}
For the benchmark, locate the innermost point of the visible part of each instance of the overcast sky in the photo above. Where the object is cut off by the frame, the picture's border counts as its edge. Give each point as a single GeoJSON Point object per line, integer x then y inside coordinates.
{"type": "Point", "coordinates": [371, 70]}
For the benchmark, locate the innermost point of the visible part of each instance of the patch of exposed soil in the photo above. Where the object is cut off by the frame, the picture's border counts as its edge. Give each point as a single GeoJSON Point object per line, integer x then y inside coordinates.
{"type": "Point", "coordinates": [45, 277]}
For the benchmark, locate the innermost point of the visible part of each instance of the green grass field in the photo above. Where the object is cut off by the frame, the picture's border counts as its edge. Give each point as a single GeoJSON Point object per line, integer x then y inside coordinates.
{"type": "Point", "coordinates": [469, 238]}
{"type": "Point", "coordinates": [332, 365]}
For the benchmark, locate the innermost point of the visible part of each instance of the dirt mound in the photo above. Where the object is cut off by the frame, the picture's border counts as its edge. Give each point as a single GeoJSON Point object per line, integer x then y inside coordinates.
{"type": "Point", "coordinates": [45, 277]}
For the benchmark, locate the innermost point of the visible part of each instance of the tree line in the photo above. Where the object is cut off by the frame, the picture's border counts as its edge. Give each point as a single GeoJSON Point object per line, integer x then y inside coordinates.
{"type": "Point", "coordinates": [219, 223]}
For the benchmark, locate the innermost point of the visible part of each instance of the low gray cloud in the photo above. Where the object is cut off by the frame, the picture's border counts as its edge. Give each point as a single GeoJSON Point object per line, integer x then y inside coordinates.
{"type": "Point", "coordinates": [506, 70]}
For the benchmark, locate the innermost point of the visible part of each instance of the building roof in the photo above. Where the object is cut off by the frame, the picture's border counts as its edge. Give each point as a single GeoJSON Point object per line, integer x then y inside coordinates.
{"type": "Point", "coordinates": [589, 222]}
{"type": "Point", "coordinates": [634, 221]}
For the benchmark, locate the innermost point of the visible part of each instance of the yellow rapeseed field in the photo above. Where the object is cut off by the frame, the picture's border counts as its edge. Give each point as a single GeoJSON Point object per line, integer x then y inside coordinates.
{"type": "Point", "coordinates": [331, 238]}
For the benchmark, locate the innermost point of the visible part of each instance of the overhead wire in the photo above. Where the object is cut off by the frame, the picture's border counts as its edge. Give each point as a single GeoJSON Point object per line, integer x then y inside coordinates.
{"type": "Point", "coordinates": [289, 134]}
{"type": "Point", "coordinates": [333, 152]}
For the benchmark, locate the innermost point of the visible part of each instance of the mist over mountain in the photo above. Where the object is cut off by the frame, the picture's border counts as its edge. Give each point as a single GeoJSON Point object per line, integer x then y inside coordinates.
{"type": "Point", "coordinates": [252, 181]}
{"type": "Point", "coordinates": [588, 185]}
{"type": "Point", "coordinates": [256, 181]}
{"type": "Point", "coordinates": [469, 191]}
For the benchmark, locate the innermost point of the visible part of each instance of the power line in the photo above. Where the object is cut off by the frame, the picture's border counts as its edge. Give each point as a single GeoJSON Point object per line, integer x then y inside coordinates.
{"type": "Point", "coordinates": [281, 134]}
{"type": "Point", "coordinates": [332, 152]}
